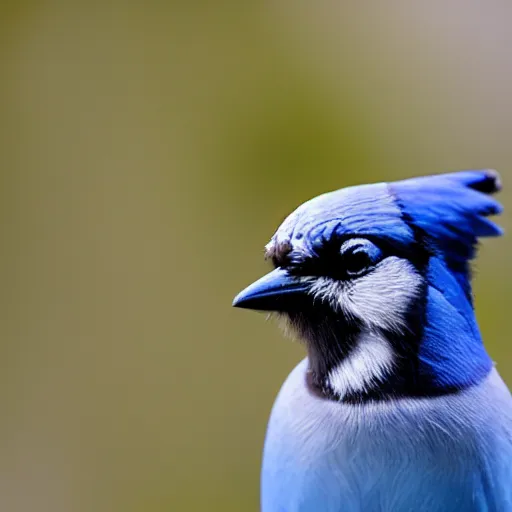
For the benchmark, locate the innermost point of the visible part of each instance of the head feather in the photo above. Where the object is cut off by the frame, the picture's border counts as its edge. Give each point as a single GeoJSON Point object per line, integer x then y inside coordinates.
{"type": "Point", "coordinates": [452, 209]}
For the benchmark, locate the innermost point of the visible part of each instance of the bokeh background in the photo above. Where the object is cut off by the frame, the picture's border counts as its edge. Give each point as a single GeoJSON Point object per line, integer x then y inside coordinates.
{"type": "Point", "coordinates": [148, 150]}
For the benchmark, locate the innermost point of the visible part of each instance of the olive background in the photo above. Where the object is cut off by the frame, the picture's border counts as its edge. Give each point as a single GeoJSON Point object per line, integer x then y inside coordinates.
{"type": "Point", "coordinates": [148, 151]}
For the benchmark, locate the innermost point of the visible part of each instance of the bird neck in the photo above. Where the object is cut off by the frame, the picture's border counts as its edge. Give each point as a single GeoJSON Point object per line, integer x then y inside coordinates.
{"type": "Point", "coordinates": [451, 353]}
{"type": "Point", "coordinates": [441, 351]}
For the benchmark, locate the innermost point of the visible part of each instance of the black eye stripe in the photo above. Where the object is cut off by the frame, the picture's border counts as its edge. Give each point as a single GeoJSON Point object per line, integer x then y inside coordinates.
{"type": "Point", "coordinates": [343, 260]}
{"type": "Point", "coordinates": [325, 258]}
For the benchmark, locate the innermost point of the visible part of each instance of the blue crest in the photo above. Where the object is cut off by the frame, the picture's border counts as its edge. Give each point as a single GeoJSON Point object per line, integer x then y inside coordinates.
{"type": "Point", "coordinates": [452, 209]}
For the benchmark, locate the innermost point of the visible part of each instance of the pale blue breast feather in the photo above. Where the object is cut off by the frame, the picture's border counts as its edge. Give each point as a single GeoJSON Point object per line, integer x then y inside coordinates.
{"type": "Point", "coordinates": [448, 454]}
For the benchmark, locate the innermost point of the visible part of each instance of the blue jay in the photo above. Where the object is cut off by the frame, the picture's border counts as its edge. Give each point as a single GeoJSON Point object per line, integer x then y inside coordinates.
{"type": "Point", "coordinates": [398, 406]}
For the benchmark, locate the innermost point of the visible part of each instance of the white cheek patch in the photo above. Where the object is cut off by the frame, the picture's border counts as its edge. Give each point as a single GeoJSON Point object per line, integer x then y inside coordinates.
{"type": "Point", "coordinates": [383, 297]}
{"type": "Point", "coordinates": [369, 363]}
{"type": "Point", "coordinates": [380, 298]}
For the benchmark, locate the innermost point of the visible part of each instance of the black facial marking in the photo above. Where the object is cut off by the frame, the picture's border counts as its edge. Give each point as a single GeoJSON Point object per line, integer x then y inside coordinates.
{"type": "Point", "coordinates": [331, 335]}
{"type": "Point", "coordinates": [346, 257]}
{"type": "Point", "coordinates": [330, 338]}
{"type": "Point", "coordinates": [403, 381]}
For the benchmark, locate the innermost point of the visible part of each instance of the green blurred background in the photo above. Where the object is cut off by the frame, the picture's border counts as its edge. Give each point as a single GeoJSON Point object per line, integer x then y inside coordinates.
{"type": "Point", "coordinates": [148, 152]}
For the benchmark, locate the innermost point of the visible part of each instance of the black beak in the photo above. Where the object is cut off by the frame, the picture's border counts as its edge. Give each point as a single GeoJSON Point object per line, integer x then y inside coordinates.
{"type": "Point", "coordinates": [276, 291]}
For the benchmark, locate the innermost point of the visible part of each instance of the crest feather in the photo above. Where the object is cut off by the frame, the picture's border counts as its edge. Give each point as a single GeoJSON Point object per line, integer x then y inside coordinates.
{"type": "Point", "coordinates": [452, 209]}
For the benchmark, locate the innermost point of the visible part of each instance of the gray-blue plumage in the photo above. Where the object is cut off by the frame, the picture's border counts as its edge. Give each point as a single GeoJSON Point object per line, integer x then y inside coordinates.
{"type": "Point", "coordinates": [398, 406]}
{"type": "Point", "coordinates": [445, 454]}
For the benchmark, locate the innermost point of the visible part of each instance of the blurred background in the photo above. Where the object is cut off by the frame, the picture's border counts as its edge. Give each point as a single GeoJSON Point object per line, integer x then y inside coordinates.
{"type": "Point", "coordinates": [148, 152]}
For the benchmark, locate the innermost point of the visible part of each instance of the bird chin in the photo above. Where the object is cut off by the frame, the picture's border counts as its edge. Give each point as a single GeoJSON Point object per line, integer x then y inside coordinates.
{"type": "Point", "coordinates": [313, 328]}
{"type": "Point", "coordinates": [288, 327]}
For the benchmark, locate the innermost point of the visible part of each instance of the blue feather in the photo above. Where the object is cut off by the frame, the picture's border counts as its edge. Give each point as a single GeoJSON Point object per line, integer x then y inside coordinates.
{"type": "Point", "coordinates": [436, 433]}
{"type": "Point", "coordinates": [452, 209]}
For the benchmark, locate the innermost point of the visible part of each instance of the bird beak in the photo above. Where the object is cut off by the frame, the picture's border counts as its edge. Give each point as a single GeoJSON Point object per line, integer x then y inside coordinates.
{"type": "Point", "coordinates": [276, 291]}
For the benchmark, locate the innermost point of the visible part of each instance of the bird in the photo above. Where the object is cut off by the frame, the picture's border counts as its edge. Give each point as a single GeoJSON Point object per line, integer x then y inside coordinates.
{"type": "Point", "coordinates": [397, 406]}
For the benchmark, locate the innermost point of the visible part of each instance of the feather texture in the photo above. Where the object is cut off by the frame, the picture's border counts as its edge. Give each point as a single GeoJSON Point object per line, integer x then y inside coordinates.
{"type": "Point", "coordinates": [398, 407]}
{"type": "Point", "coordinates": [445, 454]}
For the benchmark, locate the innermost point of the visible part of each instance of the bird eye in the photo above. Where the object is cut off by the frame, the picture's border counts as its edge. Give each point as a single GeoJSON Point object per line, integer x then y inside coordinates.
{"type": "Point", "coordinates": [359, 255]}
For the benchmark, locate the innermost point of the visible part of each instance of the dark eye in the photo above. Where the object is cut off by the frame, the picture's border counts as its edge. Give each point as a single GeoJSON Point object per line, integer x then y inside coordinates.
{"type": "Point", "coordinates": [359, 255]}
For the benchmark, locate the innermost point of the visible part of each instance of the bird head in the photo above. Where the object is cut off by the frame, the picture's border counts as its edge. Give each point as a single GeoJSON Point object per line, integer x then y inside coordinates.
{"type": "Point", "coordinates": [376, 280]}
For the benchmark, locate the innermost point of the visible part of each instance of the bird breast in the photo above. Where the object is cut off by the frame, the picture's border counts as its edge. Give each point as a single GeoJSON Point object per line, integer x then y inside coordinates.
{"type": "Point", "coordinates": [430, 454]}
